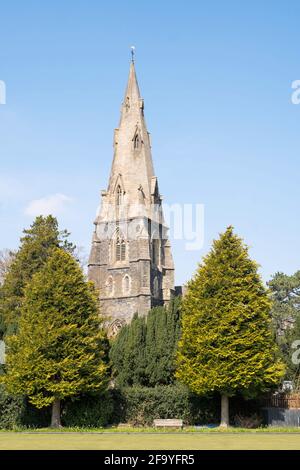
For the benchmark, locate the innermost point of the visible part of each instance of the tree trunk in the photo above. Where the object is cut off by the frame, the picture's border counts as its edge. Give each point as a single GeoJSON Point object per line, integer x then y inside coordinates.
{"type": "Point", "coordinates": [55, 417]}
{"type": "Point", "coordinates": [224, 411]}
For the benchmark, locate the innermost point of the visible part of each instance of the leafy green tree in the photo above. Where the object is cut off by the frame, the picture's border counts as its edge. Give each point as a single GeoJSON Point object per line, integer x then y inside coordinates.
{"type": "Point", "coordinates": [286, 300]}
{"type": "Point", "coordinates": [36, 244]}
{"type": "Point", "coordinates": [227, 344]}
{"type": "Point", "coordinates": [144, 352]}
{"type": "Point", "coordinates": [292, 353]}
{"type": "Point", "coordinates": [286, 316]}
{"type": "Point", "coordinates": [58, 351]}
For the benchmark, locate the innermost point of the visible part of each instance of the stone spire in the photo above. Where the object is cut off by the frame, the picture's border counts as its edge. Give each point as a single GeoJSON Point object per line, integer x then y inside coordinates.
{"type": "Point", "coordinates": [132, 166]}
{"type": "Point", "coordinates": [131, 261]}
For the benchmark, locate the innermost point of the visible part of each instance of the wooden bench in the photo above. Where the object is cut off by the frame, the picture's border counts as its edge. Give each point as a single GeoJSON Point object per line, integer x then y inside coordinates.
{"type": "Point", "coordinates": [168, 423]}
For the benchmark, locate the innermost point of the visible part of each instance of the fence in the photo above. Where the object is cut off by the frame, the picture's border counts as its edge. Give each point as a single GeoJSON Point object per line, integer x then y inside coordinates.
{"type": "Point", "coordinates": [287, 401]}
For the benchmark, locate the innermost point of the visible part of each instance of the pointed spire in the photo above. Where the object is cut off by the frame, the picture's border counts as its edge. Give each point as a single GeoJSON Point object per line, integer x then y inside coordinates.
{"type": "Point", "coordinates": [132, 94]}
{"type": "Point", "coordinates": [132, 163]}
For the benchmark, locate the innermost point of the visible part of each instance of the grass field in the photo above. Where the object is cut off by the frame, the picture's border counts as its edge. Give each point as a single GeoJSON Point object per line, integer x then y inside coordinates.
{"type": "Point", "coordinates": [155, 441]}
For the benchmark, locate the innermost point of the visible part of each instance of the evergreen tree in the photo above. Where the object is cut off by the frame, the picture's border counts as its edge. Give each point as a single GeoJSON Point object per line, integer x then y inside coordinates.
{"type": "Point", "coordinates": [286, 316]}
{"type": "Point", "coordinates": [128, 353]}
{"type": "Point", "coordinates": [162, 335]}
{"type": "Point", "coordinates": [144, 352]}
{"type": "Point", "coordinates": [227, 345]}
{"type": "Point", "coordinates": [58, 351]}
{"type": "Point", "coordinates": [36, 244]}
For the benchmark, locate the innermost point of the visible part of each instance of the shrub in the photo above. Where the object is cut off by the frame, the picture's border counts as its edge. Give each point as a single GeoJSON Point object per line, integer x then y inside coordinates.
{"type": "Point", "coordinates": [16, 411]}
{"type": "Point", "coordinates": [249, 422]}
{"type": "Point", "coordinates": [89, 411]}
{"type": "Point", "coordinates": [139, 406]}
{"type": "Point", "coordinates": [11, 410]}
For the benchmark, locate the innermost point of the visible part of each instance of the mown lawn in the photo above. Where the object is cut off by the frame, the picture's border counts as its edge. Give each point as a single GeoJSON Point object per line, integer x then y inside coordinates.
{"type": "Point", "coordinates": [154, 441]}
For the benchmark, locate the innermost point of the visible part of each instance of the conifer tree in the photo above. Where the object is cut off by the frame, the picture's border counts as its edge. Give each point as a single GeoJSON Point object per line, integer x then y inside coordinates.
{"type": "Point", "coordinates": [58, 351]}
{"type": "Point", "coordinates": [128, 353]}
{"type": "Point", "coordinates": [227, 344]}
{"type": "Point", "coordinates": [162, 335]}
{"type": "Point", "coordinates": [144, 352]}
{"type": "Point", "coordinates": [36, 244]}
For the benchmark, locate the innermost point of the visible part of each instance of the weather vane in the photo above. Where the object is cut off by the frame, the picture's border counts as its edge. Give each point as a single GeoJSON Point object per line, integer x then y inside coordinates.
{"type": "Point", "coordinates": [132, 53]}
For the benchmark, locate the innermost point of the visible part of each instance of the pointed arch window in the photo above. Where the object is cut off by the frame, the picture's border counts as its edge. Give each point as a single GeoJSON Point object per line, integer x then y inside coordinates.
{"type": "Point", "coordinates": [120, 247]}
{"type": "Point", "coordinates": [136, 142]}
{"type": "Point", "coordinates": [126, 284]}
{"type": "Point", "coordinates": [119, 195]}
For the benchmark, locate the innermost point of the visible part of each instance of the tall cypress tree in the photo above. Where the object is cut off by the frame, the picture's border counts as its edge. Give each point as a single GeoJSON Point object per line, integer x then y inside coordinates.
{"type": "Point", "coordinates": [162, 335]}
{"type": "Point", "coordinates": [227, 344]}
{"type": "Point", "coordinates": [59, 349]}
{"type": "Point", "coordinates": [144, 352]}
{"type": "Point", "coordinates": [128, 353]}
{"type": "Point", "coordinates": [36, 244]}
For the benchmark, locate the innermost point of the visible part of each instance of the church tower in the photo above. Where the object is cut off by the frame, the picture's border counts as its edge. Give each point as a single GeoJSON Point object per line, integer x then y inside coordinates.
{"type": "Point", "coordinates": [131, 261]}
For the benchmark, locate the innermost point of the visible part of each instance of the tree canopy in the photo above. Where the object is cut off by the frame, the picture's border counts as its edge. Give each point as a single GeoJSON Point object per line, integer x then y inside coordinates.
{"type": "Point", "coordinates": [35, 246]}
{"type": "Point", "coordinates": [227, 344]}
{"type": "Point", "coordinates": [144, 352]}
{"type": "Point", "coordinates": [286, 318]}
{"type": "Point", "coordinates": [59, 349]}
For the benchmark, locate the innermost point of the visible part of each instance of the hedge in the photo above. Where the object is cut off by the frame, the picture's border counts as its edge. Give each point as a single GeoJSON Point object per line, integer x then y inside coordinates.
{"type": "Point", "coordinates": [94, 411]}
{"type": "Point", "coordinates": [137, 406]}
{"type": "Point", "coordinates": [16, 412]}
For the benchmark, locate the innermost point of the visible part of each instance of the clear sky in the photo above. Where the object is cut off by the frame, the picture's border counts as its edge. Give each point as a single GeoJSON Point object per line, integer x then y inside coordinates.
{"type": "Point", "coordinates": [216, 78]}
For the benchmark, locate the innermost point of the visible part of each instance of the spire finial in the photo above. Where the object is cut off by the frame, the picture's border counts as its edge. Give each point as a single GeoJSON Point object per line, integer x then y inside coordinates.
{"type": "Point", "coordinates": [132, 53]}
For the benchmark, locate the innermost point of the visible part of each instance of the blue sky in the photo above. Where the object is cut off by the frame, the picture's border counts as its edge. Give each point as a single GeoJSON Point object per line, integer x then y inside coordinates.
{"type": "Point", "coordinates": [216, 78]}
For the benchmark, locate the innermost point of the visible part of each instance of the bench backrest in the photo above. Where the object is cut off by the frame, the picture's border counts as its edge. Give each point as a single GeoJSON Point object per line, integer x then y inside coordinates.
{"type": "Point", "coordinates": [168, 422]}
